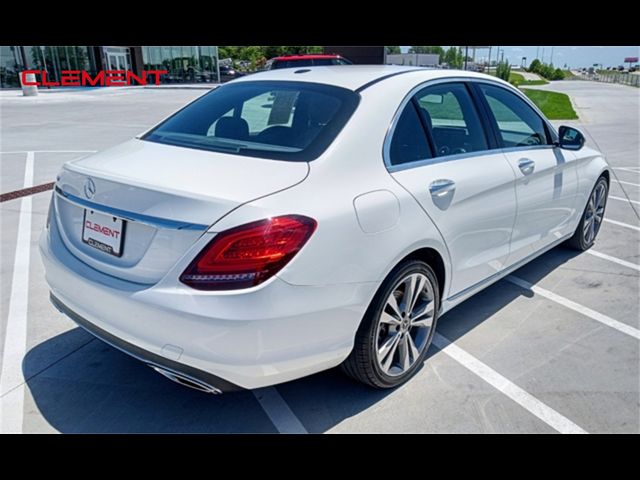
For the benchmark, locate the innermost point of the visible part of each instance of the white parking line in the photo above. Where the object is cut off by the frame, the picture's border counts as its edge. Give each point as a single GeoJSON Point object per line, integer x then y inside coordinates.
{"type": "Point", "coordinates": [545, 413]}
{"type": "Point", "coordinates": [51, 151]}
{"type": "Point", "coordinates": [611, 197]}
{"type": "Point", "coordinates": [619, 261]}
{"type": "Point", "coordinates": [576, 307]}
{"type": "Point", "coordinates": [278, 411]}
{"type": "Point", "coordinates": [15, 341]}
{"type": "Point", "coordinates": [620, 224]}
{"type": "Point", "coordinates": [626, 183]}
{"type": "Point", "coordinates": [628, 169]}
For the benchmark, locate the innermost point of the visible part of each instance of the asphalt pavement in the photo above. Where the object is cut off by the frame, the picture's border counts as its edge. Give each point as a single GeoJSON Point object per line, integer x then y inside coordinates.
{"type": "Point", "coordinates": [554, 349]}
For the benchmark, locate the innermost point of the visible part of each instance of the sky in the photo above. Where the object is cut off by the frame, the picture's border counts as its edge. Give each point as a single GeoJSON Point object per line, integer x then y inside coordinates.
{"type": "Point", "coordinates": [573, 56]}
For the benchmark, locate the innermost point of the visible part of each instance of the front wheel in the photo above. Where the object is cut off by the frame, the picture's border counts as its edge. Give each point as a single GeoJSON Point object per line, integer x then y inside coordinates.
{"type": "Point", "coordinates": [397, 328]}
{"type": "Point", "coordinates": [585, 235]}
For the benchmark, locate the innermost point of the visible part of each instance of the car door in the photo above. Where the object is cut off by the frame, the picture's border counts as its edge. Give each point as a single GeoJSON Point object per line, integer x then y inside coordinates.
{"type": "Point", "coordinates": [547, 182]}
{"type": "Point", "coordinates": [440, 152]}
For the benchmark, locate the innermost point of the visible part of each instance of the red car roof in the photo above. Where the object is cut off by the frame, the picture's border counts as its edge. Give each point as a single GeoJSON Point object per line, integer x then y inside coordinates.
{"type": "Point", "coordinates": [305, 57]}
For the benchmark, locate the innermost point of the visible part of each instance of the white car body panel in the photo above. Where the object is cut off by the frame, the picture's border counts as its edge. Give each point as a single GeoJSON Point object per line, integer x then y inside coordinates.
{"type": "Point", "coordinates": [476, 218]}
{"type": "Point", "coordinates": [546, 199]}
{"type": "Point", "coordinates": [369, 217]}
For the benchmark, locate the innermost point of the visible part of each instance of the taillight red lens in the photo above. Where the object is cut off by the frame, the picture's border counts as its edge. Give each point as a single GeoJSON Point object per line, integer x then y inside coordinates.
{"type": "Point", "coordinates": [248, 255]}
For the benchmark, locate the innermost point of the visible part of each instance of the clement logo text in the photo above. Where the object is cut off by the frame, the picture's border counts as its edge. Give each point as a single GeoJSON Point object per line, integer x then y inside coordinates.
{"type": "Point", "coordinates": [104, 78]}
{"type": "Point", "coordinates": [103, 230]}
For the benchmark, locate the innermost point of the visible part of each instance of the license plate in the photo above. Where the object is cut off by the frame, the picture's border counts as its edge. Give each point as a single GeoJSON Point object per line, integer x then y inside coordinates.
{"type": "Point", "coordinates": [103, 232]}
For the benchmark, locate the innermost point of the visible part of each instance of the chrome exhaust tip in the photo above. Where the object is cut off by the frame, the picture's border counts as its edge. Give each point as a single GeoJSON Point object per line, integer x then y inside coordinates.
{"type": "Point", "coordinates": [186, 381]}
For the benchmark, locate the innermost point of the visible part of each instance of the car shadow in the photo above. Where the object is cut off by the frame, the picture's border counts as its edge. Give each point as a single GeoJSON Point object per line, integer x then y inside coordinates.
{"type": "Point", "coordinates": [80, 384]}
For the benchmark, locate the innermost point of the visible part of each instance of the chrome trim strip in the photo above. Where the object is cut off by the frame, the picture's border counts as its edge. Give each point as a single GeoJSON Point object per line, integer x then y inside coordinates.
{"type": "Point", "coordinates": [156, 222]}
{"type": "Point", "coordinates": [386, 148]}
{"type": "Point", "coordinates": [503, 273]}
{"type": "Point", "coordinates": [436, 160]}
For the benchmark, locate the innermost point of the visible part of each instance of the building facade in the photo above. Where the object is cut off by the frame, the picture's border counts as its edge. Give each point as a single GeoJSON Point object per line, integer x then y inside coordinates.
{"type": "Point", "coordinates": [413, 59]}
{"type": "Point", "coordinates": [184, 64]}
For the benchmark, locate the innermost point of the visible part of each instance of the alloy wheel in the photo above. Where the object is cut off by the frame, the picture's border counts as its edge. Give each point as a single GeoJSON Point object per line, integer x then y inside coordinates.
{"type": "Point", "coordinates": [405, 324]}
{"type": "Point", "coordinates": [594, 213]}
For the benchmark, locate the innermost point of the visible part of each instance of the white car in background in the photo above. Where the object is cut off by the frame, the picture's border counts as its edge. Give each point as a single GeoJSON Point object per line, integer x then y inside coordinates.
{"type": "Point", "coordinates": [296, 220]}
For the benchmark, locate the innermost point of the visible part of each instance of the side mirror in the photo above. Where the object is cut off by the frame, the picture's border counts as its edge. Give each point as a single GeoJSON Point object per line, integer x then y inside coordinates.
{"type": "Point", "coordinates": [570, 138]}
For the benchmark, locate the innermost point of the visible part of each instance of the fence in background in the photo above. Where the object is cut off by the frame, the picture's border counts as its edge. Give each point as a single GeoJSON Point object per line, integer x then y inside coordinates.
{"type": "Point", "coordinates": [615, 77]}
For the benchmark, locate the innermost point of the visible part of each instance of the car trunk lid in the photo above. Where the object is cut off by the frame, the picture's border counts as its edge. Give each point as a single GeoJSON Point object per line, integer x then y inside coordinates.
{"type": "Point", "coordinates": [166, 197]}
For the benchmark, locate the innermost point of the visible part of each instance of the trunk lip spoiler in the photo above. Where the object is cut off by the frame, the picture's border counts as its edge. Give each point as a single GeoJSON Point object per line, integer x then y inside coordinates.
{"type": "Point", "coordinates": [157, 222]}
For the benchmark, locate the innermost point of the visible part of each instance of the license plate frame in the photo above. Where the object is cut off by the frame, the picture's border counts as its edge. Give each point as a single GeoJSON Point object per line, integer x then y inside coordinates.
{"type": "Point", "coordinates": [103, 232]}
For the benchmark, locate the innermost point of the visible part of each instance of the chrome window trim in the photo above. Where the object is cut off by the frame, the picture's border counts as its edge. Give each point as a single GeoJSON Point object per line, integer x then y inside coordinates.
{"type": "Point", "coordinates": [156, 222]}
{"type": "Point", "coordinates": [436, 160]}
{"type": "Point", "coordinates": [386, 148]}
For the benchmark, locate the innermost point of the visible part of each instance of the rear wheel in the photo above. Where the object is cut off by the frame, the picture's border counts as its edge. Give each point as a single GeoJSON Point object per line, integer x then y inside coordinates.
{"type": "Point", "coordinates": [589, 226]}
{"type": "Point", "coordinates": [397, 328]}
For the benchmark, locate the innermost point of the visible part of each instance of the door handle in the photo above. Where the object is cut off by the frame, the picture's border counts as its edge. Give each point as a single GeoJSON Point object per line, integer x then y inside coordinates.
{"type": "Point", "coordinates": [526, 166]}
{"type": "Point", "coordinates": [439, 188]}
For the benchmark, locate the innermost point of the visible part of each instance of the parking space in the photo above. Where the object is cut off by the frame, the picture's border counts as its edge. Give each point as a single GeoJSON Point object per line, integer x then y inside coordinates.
{"type": "Point", "coordinates": [554, 348]}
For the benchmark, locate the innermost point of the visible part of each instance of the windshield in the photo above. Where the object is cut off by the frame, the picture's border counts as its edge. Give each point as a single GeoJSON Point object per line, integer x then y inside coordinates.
{"type": "Point", "coordinates": [293, 121]}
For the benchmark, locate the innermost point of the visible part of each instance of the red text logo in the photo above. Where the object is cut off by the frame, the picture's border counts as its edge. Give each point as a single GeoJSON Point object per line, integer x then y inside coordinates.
{"type": "Point", "coordinates": [104, 78]}
{"type": "Point", "coordinates": [103, 230]}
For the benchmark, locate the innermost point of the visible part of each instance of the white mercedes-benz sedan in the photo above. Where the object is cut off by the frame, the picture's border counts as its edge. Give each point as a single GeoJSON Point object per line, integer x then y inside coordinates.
{"type": "Point", "coordinates": [295, 220]}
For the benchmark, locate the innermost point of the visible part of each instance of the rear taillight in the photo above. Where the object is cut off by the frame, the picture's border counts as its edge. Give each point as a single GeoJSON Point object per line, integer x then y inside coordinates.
{"type": "Point", "coordinates": [248, 255]}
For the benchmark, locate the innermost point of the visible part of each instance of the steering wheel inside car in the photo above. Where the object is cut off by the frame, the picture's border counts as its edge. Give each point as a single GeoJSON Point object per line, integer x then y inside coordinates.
{"type": "Point", "coordinates": [530, 140]}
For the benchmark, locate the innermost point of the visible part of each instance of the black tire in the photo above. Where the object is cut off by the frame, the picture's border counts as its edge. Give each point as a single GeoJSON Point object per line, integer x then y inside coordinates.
{"type": "Point", "coordinates": [579, 240]}
{"type": "Point", "coordinates": [363, 364]}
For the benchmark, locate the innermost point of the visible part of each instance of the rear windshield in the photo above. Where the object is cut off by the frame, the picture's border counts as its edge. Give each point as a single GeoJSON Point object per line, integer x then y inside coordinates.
{"type": "Point", "coordinates": [293, 121]}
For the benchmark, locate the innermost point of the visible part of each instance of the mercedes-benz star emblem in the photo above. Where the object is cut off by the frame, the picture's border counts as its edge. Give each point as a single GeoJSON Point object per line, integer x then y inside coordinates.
{"type": "Point", "coordinates": [89, 188]}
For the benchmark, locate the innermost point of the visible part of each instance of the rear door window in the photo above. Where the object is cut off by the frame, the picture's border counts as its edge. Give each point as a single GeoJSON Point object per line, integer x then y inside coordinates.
{"type": "Point", "coordinates": [450, 115]}
{"type": "Point", "coordinates": [409, 143]}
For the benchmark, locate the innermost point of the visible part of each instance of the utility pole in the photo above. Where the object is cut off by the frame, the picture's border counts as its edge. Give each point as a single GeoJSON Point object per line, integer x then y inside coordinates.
{"type": "Point", "coordinates": [551, 61]}
{"type": "Point", "coordinates": [542, 59]}
{"type": "Point", "coordinates": [466, 52]}
{"type": "Point", "coordinates": [537, 52]}
{"type": "Point", "coordinates": [489, 66]}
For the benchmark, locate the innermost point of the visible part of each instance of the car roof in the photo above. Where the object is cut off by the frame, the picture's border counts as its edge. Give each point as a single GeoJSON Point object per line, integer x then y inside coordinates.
{"type": "Point", "coordinates": [306, 57]}
{"type": "Point", "coordinates": [354, 77]}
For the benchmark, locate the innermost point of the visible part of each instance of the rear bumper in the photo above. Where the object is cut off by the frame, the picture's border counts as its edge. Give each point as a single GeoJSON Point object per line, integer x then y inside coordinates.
{"type": "Point", "coordinates": [247, 339]}
{"type": "Point", "coordinates": [204, 380]}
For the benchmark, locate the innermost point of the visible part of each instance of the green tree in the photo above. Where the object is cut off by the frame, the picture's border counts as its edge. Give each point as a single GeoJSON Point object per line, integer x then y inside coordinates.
{"type": "Point", "coordinates": [453, 57]}
{"type": "Point", "coordinates": [558, 74]}
{"type": "Point", "coordinates": [535, 65]}
{"type": "Point", "coordinates": [257, 55]}
{"type": "Point", "coordinates": [392, 50]}
{"type": "Point", "coordinates": [503, 70]}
